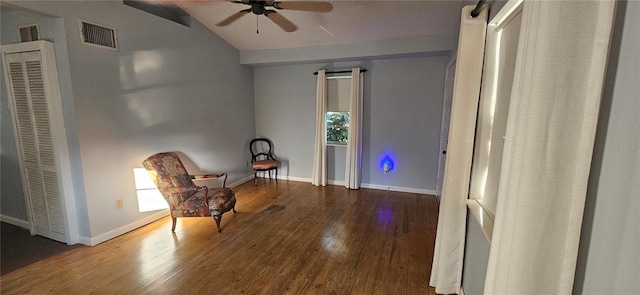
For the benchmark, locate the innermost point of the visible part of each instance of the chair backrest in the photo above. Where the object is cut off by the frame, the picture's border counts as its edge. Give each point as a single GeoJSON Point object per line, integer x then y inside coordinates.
{"type": "Point", "coordinates": [261, 149]}
{"type": "Point", "coordinates": [167, 172]}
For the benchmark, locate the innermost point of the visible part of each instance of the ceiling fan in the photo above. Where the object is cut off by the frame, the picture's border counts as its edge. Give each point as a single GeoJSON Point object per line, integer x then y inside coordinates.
{"type": "Point", "coordinates": [260, 7]}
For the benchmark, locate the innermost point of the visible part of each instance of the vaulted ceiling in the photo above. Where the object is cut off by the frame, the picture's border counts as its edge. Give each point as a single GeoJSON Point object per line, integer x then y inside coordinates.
{"type": "Point", "coordinates": [348, 22]}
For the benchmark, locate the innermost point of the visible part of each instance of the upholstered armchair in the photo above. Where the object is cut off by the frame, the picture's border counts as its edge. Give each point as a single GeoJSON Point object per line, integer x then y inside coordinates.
{"type": "Point", "coordinates": [186, 199]}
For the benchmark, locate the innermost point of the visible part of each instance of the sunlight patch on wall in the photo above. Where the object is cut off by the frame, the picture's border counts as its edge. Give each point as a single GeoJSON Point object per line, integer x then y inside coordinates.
{"type": "Point", "coordinates": [149, 197]}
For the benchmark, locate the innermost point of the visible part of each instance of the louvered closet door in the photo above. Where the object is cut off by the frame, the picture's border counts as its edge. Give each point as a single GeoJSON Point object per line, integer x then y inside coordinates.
{"type": "Point", "coordinates": [31, 113]}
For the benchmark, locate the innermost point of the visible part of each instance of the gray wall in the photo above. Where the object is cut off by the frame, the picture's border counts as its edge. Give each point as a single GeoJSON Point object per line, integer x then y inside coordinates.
{"type": "Point", "coordinates": [608, 260]}
{"type": "Point", "coordinates": [402, 113]}
{"type": "Point", "coordinates": [50, 29]}
{"type": "Point", "coordinates": [11, 192]}
{"type": "Point", "coordinates": [476, 253]}
{"type": "Point", "coordinates": [168, 88]}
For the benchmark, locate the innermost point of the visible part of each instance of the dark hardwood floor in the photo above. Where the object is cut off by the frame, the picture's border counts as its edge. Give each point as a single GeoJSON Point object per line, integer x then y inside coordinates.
{"type": "Point", "coordinates": [287, 238]}
{"type": "Point", "coordinates": [18, 248]}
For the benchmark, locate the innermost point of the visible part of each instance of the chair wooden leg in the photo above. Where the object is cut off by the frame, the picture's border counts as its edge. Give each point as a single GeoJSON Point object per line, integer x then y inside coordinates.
{"type": "Point", "coordinates": [255, 177]}
{"type": "Point", "coordinates": [218, 218]}
{"type": "Point", "coordinates": [276, 174]}
{"type": "Point", "coordinates": [173, 226]}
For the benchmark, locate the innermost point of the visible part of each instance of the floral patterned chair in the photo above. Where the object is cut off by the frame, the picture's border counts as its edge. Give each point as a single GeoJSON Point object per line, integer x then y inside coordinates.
{"type": "Point", "coordinates": [185, 199]}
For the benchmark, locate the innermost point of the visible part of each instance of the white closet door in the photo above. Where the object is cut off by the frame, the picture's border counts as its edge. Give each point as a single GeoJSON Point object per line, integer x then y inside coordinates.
{"type": "Point", "coordinates": [31, 110]}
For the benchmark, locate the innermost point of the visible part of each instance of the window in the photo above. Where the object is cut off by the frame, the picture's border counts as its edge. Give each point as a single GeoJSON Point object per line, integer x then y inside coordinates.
{"type": "Point", "coordinates": [149, 197]}
{"type": "Point", "coordinates": [338, 92]}
{"type": "Point", "coordinates": [500, 57]}
{"type": "Point", "coordinates": [337, 127]}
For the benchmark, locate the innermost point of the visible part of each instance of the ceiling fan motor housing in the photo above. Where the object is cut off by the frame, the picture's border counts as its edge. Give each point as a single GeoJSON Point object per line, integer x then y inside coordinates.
{"type": "Point", "coordinates": [257, 7]}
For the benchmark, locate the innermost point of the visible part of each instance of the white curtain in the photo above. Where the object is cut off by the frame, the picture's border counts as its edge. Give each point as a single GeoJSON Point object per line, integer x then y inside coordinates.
{"type": "Point", "coordinates": [549, 141]}
{"type": "Point", "coordinates": [319, 175]}
{"type": "Point", "coordinates": [354, 141]}
{"type": "Point", "coordinates": [446, 271]}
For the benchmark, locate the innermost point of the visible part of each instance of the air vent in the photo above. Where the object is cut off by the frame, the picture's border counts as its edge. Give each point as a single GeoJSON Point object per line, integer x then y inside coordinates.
{"type": "Point", "coordinates": [29, 33]}
{"type": "Point", "coordinates": [98, 35]}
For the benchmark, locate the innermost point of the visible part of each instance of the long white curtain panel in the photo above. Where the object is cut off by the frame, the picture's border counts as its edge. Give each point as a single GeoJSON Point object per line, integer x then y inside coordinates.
{"type": "Point", "coordinates": [319, 175]}
{"type": "Point", "coordinates": [446, 271]}
{"type": "Point", "coordinates": [354, 141]}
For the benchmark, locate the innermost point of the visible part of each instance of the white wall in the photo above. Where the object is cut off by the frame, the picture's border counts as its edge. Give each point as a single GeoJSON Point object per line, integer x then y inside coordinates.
{"type": "Point", "coordinates": [168, 88]}
{"type": "Point", "coordinates": [402, 113]}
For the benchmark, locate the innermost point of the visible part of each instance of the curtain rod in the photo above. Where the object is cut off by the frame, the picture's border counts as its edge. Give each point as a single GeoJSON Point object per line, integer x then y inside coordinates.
{"type": "Point", "coordinates": [476, 11]}
{"type": "Point", "coordinates": [340, 72]}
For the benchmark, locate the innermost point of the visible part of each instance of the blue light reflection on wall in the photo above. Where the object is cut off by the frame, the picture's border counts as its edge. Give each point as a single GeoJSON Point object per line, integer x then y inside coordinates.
{"type": "Point", "coordinates": [387, 158]}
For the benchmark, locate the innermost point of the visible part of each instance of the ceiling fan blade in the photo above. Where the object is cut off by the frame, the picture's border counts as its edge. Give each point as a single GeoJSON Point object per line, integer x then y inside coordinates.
{"type": "Point", "coordinates": [281, 21]}
{"type": "Point", "coordinates": [233, 18]}
{"type": "Point", "coordinates": [304, 5]}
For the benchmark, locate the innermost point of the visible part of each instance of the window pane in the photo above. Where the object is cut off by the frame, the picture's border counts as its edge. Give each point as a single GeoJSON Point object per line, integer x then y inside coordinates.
{"type": "Point", "coordinates": [337, 127]}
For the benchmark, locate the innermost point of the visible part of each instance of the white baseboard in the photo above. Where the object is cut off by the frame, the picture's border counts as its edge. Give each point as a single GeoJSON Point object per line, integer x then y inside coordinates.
{"type": "Point", "coordinates": [92, 241]}
{"type": "Point", "coordinates": [122, 230]}
{"type": "Point", "coordinates": [368, 185]}
{"type": "Point", "coordinates": [15, 221]}
{"type": "Point", "coordinates": [241, 181]}
{"type": "Point", "coordinates": [294, 178]}
{"type": "Point", "coordinates": [399, 189]}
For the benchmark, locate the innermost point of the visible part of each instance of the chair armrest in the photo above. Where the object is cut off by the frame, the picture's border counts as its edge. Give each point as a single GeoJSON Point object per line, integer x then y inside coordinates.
{"type": "Point", "coordinates": [207, 176]}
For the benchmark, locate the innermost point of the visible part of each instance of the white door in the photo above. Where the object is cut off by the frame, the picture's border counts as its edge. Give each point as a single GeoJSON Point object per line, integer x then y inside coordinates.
{"type": "Point", "coordinates": [446, 118]}
{"type": "Point", "coordinates": [31, 111]}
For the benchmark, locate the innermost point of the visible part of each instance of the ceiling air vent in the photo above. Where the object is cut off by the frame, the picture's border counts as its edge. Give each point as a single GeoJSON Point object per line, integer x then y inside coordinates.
{"type": "Point", "coordinates": [29, 33]}
{"type": "Point", "coordinates": [98, 35]}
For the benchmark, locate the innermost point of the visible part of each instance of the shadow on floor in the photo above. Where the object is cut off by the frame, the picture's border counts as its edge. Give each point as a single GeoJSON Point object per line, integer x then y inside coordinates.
{"type": "Point", "coordinates": [18, 248]}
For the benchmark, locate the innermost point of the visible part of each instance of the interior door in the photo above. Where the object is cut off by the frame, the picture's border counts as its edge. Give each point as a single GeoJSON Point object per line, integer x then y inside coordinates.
{"type": "Point", "coordinates": [31, 114]}
{"type": "Point", "coordinates": [446, 118]}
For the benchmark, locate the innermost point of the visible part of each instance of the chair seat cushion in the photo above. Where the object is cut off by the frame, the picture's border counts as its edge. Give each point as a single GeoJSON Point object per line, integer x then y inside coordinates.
{"type": "Point", "coordinates": [264, 164]}
{"type": "Point", "coordinates": [220, 200]}
{"type": "Point", "coordinates": [193, 206]}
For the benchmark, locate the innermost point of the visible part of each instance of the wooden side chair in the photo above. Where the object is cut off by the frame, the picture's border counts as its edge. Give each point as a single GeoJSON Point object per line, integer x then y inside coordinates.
{"type": "Point", "coordinates": [262, 158]}
{"type": "Point", "coordinates": [186, 199]}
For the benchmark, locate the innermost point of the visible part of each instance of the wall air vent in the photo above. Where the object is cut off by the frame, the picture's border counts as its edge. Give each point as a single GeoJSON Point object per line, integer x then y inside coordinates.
{"type": "Point", "coordinates": [98, 35]}
{"type": "Point", "coordinates": [29, 33]}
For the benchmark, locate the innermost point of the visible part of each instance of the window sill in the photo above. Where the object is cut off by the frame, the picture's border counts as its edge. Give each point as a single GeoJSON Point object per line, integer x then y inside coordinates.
{"type": "Point", "coordinates": [482, 217]}
{"type": "Point", "coordinates": [337, 144]}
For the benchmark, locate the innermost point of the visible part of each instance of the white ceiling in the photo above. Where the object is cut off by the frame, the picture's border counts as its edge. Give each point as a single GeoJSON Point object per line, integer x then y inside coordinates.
{"type": "Point", "coordinates": [349, 22]}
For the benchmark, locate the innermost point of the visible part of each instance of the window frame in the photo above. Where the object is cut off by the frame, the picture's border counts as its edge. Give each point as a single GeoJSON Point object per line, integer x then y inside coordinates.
{"type": "Point", "coordinates": [483, 206]}
{"type": "Point", "coordinates": [327, 141]}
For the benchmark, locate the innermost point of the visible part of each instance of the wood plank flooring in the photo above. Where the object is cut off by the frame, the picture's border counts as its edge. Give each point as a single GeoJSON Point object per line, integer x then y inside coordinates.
{"type": "Point", "coordinates": [287, 238]}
